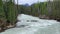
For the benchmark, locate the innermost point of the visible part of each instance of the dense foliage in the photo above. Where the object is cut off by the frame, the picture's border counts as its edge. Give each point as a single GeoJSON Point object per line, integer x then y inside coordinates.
{"type": "Point", "coordinates": [8, 12]}
{"type": "Point", "coordinates": [2, 14]}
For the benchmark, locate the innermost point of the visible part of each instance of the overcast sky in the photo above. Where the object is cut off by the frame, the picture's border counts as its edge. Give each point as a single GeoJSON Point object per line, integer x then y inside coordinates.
{"type": "Point", "coordinates": [29, 1]}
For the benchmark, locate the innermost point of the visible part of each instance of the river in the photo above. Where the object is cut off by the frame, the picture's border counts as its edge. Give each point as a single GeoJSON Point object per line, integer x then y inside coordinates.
{"type": "Point", "coordinates": [33, 25]}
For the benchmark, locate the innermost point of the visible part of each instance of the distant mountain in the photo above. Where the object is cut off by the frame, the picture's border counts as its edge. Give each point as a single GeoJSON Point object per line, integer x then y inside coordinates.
{"type": "Point", "coordinates": [26, 5]}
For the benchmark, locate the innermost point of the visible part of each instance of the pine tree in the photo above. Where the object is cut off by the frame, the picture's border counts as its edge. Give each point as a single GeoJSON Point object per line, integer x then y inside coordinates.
{"type": "Point", "coordinates": [12, 13]}
{"type": "Point", "coordinates": [2, 14]}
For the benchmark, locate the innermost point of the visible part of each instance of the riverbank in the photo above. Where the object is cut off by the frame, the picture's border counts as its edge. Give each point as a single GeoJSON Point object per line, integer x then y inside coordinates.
{"type": "Point", "coordinates": [3, 27]}
{"type": "Point", "coordinates": [49, 18]}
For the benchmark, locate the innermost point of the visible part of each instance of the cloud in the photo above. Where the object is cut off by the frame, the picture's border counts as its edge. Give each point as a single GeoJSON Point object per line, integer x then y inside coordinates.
{"type": "Point", "coordinates": [29, 1]}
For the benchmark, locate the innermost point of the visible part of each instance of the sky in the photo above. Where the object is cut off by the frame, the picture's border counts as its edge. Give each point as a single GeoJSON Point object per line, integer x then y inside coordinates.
{"type": "Point", "coordinates": [21, 2]}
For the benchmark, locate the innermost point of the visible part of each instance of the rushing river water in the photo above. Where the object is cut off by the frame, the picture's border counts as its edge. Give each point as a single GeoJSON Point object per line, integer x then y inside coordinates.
{"type": "Point", "coordinates": [33, 25]}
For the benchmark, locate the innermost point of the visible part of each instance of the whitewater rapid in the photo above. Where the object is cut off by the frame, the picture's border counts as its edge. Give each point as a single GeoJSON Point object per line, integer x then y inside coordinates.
{"type": "Point", "coordinates": [33, 25]}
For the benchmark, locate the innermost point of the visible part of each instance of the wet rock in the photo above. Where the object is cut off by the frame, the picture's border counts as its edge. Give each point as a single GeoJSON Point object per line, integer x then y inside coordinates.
{"type": "Point", "coordinates": [58, 19]}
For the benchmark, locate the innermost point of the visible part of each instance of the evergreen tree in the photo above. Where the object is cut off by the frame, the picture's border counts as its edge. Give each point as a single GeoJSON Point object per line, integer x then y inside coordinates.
{"type": "Point", "coordinates": [2, 14]}
{"type": "Point", "coordinates": [12, 13]}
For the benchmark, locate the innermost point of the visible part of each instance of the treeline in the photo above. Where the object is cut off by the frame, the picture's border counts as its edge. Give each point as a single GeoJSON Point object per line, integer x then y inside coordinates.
{"type": "Point", "coordinates": [35, 9]}
{"type": "Point", "coordinates": [8, 14]}
{"type": "Point", "coordinates": [47, 9]}
{"type": "Point", "coordinates": [56, 9]}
